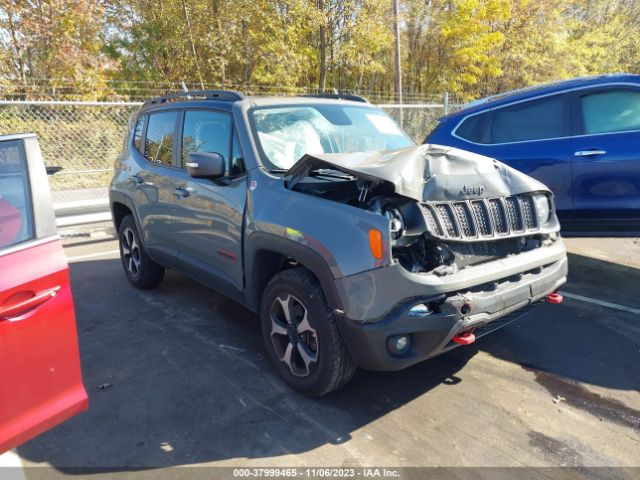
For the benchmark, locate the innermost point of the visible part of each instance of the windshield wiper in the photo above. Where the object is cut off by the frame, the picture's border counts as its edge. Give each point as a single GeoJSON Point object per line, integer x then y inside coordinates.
{"type": "Point", "coordinates": [320, 172]}
{"type": "Point", "coordinates": [325, 172]}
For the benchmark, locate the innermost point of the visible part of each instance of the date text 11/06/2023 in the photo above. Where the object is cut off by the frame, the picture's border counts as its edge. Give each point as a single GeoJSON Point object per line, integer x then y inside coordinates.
{"type": "Point", "coordinates": [316, 472]}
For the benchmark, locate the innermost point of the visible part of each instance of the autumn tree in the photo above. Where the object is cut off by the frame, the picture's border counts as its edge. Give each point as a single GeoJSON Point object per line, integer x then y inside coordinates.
{"type": "Point", "coordinates": [354, 42]}
{"type": "Point", "coordinates": [54, 42]}
{"type": "Point", "coordinates": [467, 47]}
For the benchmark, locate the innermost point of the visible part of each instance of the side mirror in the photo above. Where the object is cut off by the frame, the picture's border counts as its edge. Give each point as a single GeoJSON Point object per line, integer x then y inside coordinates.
{"type": "Point", "coordinates": [205, 165]}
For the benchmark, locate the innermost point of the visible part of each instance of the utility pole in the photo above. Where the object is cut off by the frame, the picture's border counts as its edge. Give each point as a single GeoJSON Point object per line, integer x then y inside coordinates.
{"type": "Point", "coordinates": [396, 31]}
{"type": "Point", "coordinates": [322, 83]}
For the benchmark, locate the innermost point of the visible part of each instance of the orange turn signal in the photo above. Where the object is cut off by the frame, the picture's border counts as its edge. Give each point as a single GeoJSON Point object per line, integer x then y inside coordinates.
{"type": "Point", "coordinates": [375, 243]}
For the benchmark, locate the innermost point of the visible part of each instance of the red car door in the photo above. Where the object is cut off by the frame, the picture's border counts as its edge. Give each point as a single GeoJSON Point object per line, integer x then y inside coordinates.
{"type": "Point", "coordinates": [40, 378]}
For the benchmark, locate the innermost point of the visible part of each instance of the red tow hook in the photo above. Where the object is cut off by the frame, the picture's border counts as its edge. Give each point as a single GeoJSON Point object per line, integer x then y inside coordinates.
{"type": "Point", "coordinates": [465, 338]}
{"type": "Point", "coordinates": [555, 298]}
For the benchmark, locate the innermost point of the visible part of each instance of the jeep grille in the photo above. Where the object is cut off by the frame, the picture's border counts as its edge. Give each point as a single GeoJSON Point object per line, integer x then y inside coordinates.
{"type": "Point", "coordinates": [481, 219]}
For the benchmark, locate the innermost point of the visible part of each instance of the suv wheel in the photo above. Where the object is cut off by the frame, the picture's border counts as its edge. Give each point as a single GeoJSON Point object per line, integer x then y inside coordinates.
{"type": "Point", "coordinates": [141, 271]}
{"type": "Point", "coordinates": [301, 335]}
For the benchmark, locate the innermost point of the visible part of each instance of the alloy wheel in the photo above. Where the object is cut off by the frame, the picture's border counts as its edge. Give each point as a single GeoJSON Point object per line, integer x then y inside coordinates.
{"type": "Point", "coordinates": [130, 252]}
{"type": "Point", "coordinates": [294, 340]}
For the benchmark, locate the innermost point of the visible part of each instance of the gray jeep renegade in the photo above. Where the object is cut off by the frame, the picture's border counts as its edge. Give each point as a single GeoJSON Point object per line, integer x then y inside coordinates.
{"type": "Point", "coordinates": [356, 247]}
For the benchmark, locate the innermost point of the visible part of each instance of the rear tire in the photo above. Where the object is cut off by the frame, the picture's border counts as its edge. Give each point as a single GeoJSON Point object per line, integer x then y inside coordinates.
{"type": "Point", "coordinates": [301, 335]}
{"type": "Point", "coordinates": [142, 272]}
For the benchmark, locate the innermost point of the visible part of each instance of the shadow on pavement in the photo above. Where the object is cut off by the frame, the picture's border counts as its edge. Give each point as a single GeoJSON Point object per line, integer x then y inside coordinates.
{"type": "Point", "coordinates": [577, 340]}
{"type": "Point", "coordinates": [184, 378]}
{"type": "Point", "coordinates": [177, 375]}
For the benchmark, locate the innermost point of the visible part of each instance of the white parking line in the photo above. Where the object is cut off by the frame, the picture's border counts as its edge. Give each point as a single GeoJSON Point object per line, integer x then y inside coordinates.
{"type": "Point", "coordinates": [602, 303]}
{"type": "Point", "coordinates": [11, 466]}
{"type": "Point", "coordinates": [93, 255]}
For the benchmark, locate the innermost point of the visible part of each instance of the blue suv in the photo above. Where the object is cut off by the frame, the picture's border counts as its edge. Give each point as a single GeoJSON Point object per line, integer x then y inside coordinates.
{"type": "Point", "coordinates": [580, 137]}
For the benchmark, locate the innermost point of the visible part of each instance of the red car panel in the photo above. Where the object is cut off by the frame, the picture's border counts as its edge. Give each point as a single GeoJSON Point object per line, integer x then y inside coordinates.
{"type": "Point", "coordinates": [40, 377]}
{"type": "Point", "coordinates": [39, 360]}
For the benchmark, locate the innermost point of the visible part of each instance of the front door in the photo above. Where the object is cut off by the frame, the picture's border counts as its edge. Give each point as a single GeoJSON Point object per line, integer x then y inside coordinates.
{"type": "Point", "coordinates": [40, 378]}
{"type": "Point", "coordinates": [208, 214]}
{"type": "Point", "coordinates": [606, 164]}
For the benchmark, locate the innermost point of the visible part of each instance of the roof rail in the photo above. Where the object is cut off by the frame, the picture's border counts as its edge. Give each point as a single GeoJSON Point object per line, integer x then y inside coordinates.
{"type": "Point", "coordinates": [539, 86]}
{"type": "Point", "coordinates": [228, 95]}
{"type": "Point", "coordinates": [501, 95]}
{"type": "Point", "coordinates": [338, 96]}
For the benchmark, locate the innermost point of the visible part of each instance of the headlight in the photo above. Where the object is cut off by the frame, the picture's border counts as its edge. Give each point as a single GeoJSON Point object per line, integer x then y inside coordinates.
{"type": "Point", "coordinates": [396, 222]}
{"type": "Point", "coordinates": [543, 208]}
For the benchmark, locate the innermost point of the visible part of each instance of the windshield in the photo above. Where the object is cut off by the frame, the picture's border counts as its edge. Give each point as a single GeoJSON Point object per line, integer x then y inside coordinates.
{"type": "Point", "coordinates": [287, 133]}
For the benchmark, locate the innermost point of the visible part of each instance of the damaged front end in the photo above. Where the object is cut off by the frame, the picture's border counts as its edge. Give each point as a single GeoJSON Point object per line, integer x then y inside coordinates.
{"type": "Point", "coordinates": [447, 209]}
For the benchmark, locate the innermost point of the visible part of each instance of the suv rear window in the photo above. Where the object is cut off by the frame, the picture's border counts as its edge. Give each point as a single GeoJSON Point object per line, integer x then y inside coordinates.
{"type": "Point", "coordinates": [16, 221]}
{"type": "Point", "coordinates": [476, 128]}
{"type": "Point", "coordinates": [533, 120]}
{"type": "Point", "coordinates": [160, 139]}
{"type": "Point", "coordinates": [611, 111]}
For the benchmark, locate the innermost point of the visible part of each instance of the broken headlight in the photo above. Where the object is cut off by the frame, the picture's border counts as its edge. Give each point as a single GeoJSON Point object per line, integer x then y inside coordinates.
{"type": "Point", "coordinates": [396, 222]}
{"type": "Point", "coordinates": [543, 208]}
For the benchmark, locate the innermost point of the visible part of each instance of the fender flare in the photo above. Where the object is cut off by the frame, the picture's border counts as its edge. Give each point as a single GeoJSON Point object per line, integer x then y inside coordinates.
{"type": "Point", "coordinates": [304, 255]}
{"type": "Point", "coordinates": [120, 197]}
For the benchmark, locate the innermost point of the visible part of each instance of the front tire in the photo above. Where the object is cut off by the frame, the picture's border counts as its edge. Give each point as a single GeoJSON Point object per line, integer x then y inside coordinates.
{"type": "Point", "coordinates": [142, 272]}
{"type": "Point", "coordinates": [301, 335]}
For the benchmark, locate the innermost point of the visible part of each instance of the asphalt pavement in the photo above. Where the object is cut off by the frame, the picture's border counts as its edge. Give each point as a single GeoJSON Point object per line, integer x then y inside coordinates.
{"type": "Point", "coordinates": [177, 376]}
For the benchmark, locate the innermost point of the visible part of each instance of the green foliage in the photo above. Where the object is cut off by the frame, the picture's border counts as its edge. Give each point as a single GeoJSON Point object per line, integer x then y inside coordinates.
{"type": "Point", "coordinates": [470, 48]}
{"type": "Point", "coordinates": [54, 42]}
{"type": "Point", "coordinates": [450, 43]}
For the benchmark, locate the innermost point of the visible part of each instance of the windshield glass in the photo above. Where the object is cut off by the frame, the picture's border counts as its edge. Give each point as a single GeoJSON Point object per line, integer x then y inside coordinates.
{"type": "Point", "coordinates": [286, 133]}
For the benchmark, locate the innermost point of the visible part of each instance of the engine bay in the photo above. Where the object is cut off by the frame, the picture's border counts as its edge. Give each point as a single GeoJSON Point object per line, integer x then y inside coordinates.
{"type": "Point", "coordinates": [414, 244]}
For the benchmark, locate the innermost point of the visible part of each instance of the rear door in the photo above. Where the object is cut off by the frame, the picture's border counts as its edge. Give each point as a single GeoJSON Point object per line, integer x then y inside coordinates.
{"type": "Point", "coordinates": [154, 149]}
{"type": "Point", "coordinates": [40, 378]}
{"type": "Point", "coordinates": [606, 165]}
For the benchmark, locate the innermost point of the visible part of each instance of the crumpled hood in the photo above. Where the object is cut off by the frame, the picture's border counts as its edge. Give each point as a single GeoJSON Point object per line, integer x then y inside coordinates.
{"type": "Point", "coordinates": [426, 172]}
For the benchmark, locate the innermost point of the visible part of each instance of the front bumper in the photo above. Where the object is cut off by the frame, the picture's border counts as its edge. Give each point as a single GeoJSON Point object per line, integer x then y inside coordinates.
{"type": "Point", "coordinates": [480, 307]}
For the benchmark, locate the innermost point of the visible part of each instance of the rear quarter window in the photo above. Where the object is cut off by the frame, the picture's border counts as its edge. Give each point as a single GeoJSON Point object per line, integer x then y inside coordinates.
{"type": "Point", "coordinates": [16, 220]}
{"type": "Point", "coordinates": [137, 134]}
{"type": "Point", "coordinates": [476, 128]}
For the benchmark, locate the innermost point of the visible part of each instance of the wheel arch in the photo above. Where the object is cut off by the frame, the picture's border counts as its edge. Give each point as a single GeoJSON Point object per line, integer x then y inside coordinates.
{"type": "Point", "coordinates": [122, 205]}
{"type": "Point", "coordinates": [267, 254]}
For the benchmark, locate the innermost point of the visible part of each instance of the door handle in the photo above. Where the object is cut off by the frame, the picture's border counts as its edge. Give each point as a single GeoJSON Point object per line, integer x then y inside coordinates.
{"type": "Point", "coordinates": [589, 153]}
{"type": "Point", "coordinates": [181, 192]}
{"type": "Point", "coordinates": [137, 179]}
{"type": "Point", "coordinates": [28, 304]}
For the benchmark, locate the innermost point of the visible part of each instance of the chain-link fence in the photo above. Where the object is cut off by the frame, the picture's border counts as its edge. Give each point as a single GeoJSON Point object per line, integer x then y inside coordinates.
{"type": "Point", "coordinates": [86, 137]}
{"type": "Point", "coordinates": [417, 119]}
{"type": "Point", "coordinates": [83, 138]}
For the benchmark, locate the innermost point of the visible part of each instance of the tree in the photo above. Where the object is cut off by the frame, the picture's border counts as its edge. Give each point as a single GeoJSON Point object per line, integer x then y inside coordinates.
{"type": "Point", "coordinates": [467, 47]}
{"type": "Point", "coordinates": [450, 43]}
{"type": "Point", "coordinates": [54, 43]}
{"type": "Point", "coordinates": [355, 41]}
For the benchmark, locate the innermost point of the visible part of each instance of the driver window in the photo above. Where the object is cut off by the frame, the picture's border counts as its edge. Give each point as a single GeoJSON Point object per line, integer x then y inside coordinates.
{"type": "Point", "coordinates": [206, 131]}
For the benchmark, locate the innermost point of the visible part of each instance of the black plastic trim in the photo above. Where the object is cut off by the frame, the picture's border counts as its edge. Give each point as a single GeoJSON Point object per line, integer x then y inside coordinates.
{"type": "Point", "coordinates": [308, 258]}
